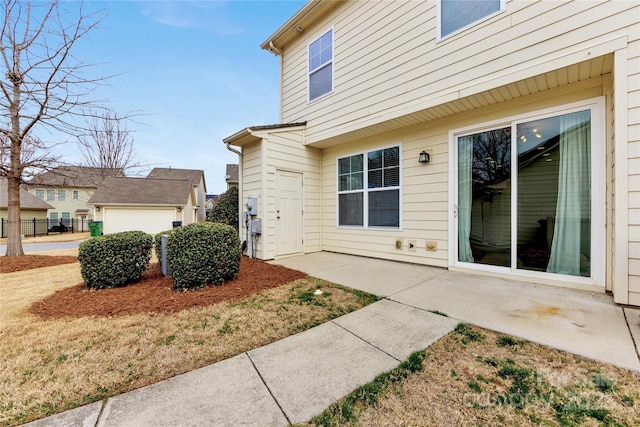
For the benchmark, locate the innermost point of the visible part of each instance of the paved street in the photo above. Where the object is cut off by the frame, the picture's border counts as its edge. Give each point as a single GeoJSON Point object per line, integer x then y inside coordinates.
{"type": "Point", "coordinates": [49, 246]}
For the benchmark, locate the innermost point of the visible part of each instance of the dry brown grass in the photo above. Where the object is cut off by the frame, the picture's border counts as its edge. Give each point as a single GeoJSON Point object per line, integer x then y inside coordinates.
{"type": "Point", "coordinates": [54, 365]}
{"type": "Point", "coordinates": [477, 377]}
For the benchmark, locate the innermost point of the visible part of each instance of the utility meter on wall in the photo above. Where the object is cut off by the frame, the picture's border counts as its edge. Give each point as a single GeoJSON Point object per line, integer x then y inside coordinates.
{"type": "Point", "coordinates": [252, 205]}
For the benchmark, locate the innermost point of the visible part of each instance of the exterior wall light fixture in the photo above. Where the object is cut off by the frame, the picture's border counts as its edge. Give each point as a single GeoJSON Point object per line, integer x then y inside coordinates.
{"type": "Point", "coordinates": [424, 157]}
{"type": "Point", "coordinates": [97, 208]}
{"type": "Point", "coordinates": [179, 208]}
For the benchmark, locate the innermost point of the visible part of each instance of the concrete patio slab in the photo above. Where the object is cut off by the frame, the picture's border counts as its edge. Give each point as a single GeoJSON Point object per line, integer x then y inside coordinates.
{"type": "Point", "coordinates": [308, 372]}
{"type": "Point", "coordinates": [584, 323]}
{"type": "Point", "coordinates": [397, 329]}
{"type": "Point", "coordinates": [378, 277]}
{"type": "Point", "coordinates": [84, 416]}
{"type": "Point", "coordinates": [313, 263]}
{"type": "Point", "coordinates": [228, 393]}
{"type": "Point", "coordinates": [633, 320]}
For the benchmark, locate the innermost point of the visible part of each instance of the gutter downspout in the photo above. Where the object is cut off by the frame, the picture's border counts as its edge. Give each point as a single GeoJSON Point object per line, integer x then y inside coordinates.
{"type": "Point", "coordinates": [273, 49]}
{"type": "Point", "coordinates": [240, 186]}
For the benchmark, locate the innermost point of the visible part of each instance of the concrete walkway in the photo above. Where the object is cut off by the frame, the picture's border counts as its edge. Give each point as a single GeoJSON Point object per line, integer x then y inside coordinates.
{"type": "Point", "coordinates": [293, 379]}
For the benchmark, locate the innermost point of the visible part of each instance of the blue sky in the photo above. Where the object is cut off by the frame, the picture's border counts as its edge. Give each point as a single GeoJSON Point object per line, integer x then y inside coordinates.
{"type": "Point", "coordinates": [194, 70]}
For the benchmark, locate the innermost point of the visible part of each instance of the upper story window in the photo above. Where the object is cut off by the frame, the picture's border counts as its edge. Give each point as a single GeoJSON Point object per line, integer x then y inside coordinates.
{"type": "Point", "coordinates": [40, 194]}
{"type": "Point", "coordinates": [51, 195]}
{"type": "Point", "coordinates": [456, 15]}
{"type": "Point", "coordinates": [75, 194]}
{"type": "Point", "coordinates": [321, 66]}
{"type": "Point", "coordinates": [369, 189]}
{"type": "Point", "coordinates": [62, 195]}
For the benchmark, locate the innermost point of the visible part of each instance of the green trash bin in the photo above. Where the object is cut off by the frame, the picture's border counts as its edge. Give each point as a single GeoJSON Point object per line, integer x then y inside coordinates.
{"type": "Point", "coordinates": [95, 228]}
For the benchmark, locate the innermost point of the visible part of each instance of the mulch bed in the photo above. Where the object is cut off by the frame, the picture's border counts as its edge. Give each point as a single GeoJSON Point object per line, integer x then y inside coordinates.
{"type": "Point", "coordinates": [11, 264]}
{"type": "Point", "coordinates": [155, 294]}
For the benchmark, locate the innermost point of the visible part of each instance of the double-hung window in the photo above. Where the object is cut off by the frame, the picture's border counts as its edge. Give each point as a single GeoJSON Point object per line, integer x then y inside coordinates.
{"type": "Point", "coordinates": [369, 189]}
{"type": "Point", "coordinates": [40, 194]}
{"type": "Point", "coordinates": [51, 195]}
{"type": "Point", "coordinates": [75, 194]}
{"type": "Point", "coordinates": [321, 66]}
{"type": "Point", "coordinates": [456, 15]}
{"type": "Point", "coordinates": [62, 195]}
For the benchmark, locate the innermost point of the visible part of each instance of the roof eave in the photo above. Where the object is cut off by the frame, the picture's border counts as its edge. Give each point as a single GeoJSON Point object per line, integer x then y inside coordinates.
{"type": "Point", "coordinates": [240, 138]}
{"type": "Point", "coordinates": [255, 133]}
{"type": "Point", "coordinates": [305, 17]}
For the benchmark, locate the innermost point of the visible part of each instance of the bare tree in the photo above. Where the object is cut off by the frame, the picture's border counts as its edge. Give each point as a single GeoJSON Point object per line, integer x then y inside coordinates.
{"type": "Point", "coordinates": [108, 143]}
{"type": "Point", "coordinates": [44, 89]}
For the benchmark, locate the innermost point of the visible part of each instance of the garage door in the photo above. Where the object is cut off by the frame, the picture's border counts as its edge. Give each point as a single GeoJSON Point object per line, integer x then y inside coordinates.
{"type": "Point", "coordinates": [152, 220]}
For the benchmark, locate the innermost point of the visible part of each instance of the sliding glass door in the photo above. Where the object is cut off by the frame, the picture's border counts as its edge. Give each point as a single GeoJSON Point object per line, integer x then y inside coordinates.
{"type": "Point", "coordinates": [525, 195]}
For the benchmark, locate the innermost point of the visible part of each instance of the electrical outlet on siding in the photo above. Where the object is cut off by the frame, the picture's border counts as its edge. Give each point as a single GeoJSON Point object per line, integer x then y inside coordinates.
{"type": "Point", "coordinates": [399, 244]}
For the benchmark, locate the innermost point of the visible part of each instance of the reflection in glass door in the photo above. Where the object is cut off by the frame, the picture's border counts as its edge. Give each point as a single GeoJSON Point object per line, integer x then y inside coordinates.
{"type": "Point", "coordinates": [545, 197]}
{"type": "Point", "coordinates": [484, 197]}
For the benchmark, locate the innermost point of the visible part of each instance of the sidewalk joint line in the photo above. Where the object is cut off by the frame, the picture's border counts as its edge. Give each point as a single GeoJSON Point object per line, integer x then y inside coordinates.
{"type": "Point", "coordinates": [362, 339]}
{"type": "Point", "coordinates": [268, 389]}
{"type": "Point", "coordinates": [422, 281]}
{"type": "Point", "coordinates": [104, 403]}
{"type": "Point", "coordinates": [633, 341]}
{"type": "Point", "coordinates": [426, 310]}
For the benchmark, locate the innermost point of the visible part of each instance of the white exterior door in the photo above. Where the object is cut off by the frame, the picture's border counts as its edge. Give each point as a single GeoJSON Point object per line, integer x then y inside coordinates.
{"type": "Point", "coordinates": [288, 213]}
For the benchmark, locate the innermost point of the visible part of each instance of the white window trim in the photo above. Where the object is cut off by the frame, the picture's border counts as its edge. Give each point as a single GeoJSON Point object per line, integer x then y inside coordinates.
{"type": "Point", "coordinates": [440, 37]}
{"type": "Point", "coordinates": [332, 62]}
{"type": "Point", "coordinates": [365, 190]}
{"type": "Point", "coordinates": [598, 195]}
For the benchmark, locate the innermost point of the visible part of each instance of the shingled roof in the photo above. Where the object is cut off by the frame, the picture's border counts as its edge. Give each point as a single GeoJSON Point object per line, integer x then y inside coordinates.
{"type": "Point", "coordinates": [232, 173]}
{"type": "Point", "coordinates": [193, 175]}
{"type": "Point", "coordinates": [27, 200]}
{"type": "Point", "coordinates": [142, 191]}
{"type": "Point", "coordinates": [74, 176]}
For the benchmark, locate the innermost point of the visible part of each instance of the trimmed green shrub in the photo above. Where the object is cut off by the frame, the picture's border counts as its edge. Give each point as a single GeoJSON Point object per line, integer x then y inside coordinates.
{"type": "Point", "coordinates": [226, 210]}
{"type": "Point", "coordinates": [114, 260]}
{"type": "Point", "coordinates": [203, 254]}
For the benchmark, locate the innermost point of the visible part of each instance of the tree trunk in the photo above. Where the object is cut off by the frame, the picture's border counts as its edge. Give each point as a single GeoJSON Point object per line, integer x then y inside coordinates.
{"type": "Point", "coordinates": [14, 241]}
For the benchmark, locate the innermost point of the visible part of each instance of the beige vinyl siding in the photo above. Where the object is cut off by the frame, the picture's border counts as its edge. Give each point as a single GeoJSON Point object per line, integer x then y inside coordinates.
{"type": "Point", "coordinates": [388, 64]}
{"type": "Point", "coordinates": [634, 165]}
{"type": "Point", "coordinates": [251, 184]}
{"type": "Point", "coordinates": [70, 204]}
{"type": "Point", "coordinates": [425, 202]}
{"type": "Point", "coordinates": [189, 212]}
{"type": "Point", "coordinates": [25, 214]}
{"type": "Point", "coordinates": [287, 152]}
{"type": "Point", "coordinates": [424, 198]}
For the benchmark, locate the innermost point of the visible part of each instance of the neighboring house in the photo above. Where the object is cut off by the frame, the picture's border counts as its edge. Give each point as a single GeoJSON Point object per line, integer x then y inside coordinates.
{"type": "Point", "coordinates": [502, 139]}
{"type": "Point", "coordinates": [231, 176]}
{"type": "Point", "coordinates": [145, 204]}
{"type": "Point", "coordinates": [196, 177]}
{"type": "Point", "coordinates": [68, 189]}
{"type": "Point", "coordinates": [31, 208]}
